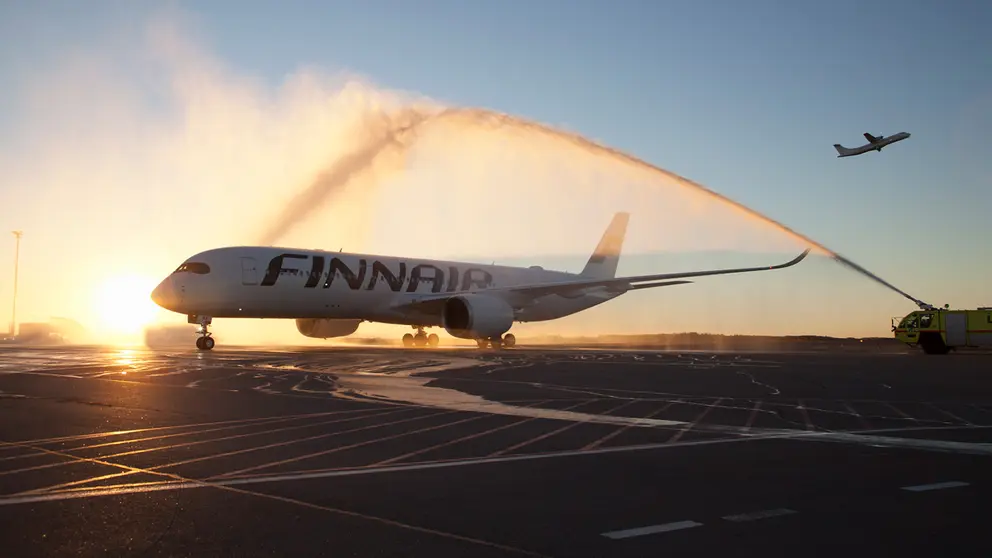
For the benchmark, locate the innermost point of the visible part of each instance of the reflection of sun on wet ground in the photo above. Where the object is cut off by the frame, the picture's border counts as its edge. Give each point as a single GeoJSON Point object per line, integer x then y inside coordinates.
{"type": "Point", "coordinates": [125, 357]}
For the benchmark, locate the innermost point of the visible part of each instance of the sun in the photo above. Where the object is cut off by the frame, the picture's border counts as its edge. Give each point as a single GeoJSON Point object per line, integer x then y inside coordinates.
{"type": "Point", "coordinates": [124, 305]}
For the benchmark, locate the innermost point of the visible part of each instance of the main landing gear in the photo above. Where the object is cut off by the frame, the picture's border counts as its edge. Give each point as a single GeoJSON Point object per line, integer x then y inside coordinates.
{"type": "Point", "coordinates": [420, 339]}
{"type": "Point", "coordinates": [507, 341]}
{"type": "Point", "coordinates": [204, 342]}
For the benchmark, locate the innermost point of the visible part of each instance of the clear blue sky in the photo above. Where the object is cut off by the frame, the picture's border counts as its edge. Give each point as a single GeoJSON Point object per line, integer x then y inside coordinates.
{"type": "Point", "coordinates": [746, 97]}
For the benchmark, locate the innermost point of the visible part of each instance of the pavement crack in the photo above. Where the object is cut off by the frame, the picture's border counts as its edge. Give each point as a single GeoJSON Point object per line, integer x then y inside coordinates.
{"type": "Point", "coordinates": [773, 390]}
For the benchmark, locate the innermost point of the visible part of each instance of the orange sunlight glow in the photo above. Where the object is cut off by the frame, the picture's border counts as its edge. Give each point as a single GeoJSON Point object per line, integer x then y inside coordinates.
{"type": "Point", "coordinates": [123, 306]}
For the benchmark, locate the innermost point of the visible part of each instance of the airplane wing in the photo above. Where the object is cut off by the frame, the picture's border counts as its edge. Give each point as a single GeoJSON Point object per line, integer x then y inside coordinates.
{"type": "Point", "coordinates": [871, 138]}
{"type": "Point", "coordinates": [527, 293]}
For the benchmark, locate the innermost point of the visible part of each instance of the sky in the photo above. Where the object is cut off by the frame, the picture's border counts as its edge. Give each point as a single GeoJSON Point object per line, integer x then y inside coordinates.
{"type": "Point", "coordinates": [133, 135]}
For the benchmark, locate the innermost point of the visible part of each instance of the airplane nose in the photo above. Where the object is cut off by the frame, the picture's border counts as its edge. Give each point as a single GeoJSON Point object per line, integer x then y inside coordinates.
{"type": "Point", "coordinates": [164, 294]}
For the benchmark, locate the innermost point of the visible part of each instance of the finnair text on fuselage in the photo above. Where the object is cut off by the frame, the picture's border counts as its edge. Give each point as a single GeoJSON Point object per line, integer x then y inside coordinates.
{"type": "Point", "coordinates": [357, 275]}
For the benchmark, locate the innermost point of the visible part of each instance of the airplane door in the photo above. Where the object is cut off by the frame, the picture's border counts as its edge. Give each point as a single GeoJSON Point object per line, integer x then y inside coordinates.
{"type": "Point", "coordinates": [248, 273]}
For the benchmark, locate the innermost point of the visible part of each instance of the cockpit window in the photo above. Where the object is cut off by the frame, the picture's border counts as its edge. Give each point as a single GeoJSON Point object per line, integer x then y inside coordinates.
{"type": "Point", "coordinates": [193, 267]}
{"type": "Point", "coordinates": [909, 322]}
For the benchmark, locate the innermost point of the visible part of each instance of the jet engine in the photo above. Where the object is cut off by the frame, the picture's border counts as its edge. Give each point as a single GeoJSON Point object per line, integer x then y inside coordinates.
{"type": "Point", "coordinates": [476, 316]}
{"type": "Point", "coordinates": [322, 328]}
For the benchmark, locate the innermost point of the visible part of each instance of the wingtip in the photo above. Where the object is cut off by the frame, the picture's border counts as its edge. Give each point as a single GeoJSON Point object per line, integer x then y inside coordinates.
{"type": "Point", "coordinates": [795, 260]}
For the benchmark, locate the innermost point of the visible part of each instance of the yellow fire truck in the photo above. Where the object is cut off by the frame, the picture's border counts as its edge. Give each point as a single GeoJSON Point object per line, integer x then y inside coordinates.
{"type": "Point", "coordinates": [938, 330]}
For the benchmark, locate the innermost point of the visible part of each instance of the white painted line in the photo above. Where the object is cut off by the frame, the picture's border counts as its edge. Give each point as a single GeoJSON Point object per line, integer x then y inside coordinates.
{"type": "Point", "coordinates": [900, 412]}
{"type": "Point", "coordinates": [641, 531]}
{"type": "Point", "coordinates": [754, 516]}
{"type": "Point", "coordinates": [675, 437]}
{"type": "Point", "coordinates": [949, 414]}
{"type": "Point", "coordinates": [973, 448]}
{"type": "Point", "coordinates": [802, 409]}
{"type": "Point", "coordinates": [596, 443]}
{"type": "Point", "coordinates": [861, 419]}
{"type": "Point", "coordinates": [935, 486]}
{"type": "Point", "coordinates": [87, 492]}
{"type": "Point", "coordinates": [751, 417]}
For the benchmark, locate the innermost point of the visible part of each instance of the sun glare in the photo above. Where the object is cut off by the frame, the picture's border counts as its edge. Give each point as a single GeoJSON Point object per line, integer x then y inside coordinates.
{"type": "Point", "coordinates": [124, 305]}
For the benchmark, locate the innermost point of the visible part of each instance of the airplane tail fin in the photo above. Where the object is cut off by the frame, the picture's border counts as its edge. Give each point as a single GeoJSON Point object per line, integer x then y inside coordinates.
{"type": "Point", "coordinates": [842, 151]}
{"type": "Point", "coordinates": [603, 262]}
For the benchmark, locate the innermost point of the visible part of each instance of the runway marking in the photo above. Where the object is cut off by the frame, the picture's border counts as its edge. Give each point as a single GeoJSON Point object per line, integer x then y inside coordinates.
{"type": "Point", "coordinates": [581, 389]}
{"type": "Point", "coordinates": [752, 416]}
{"type": "Point", "coordinates": [980, 408]}
{"type": "Point", "coordinates": [861, 419]}
{"type": "Point", "coordinates": [233, 452]}
{"type": "Point", "coordinates": [267, 421]}
{"type": "Point", "coordinates": [900, 412]}
{"type": "Point", "coordinates": [234, 362]}
{"type": "Point", "coordinates": [935, 486]}
{"type": "Point", "coordinates": [556, 431]}
{"type": "Point", "coordinates": [653, 529]}
{"type": "Point", "coordinates": [391, 522]}
{"type": "Point", "coordinates": [351, 446]}
{"type": "Point", "coordinates": [949, 414]}
{"type": "Point", "coordinates": [763, 514]}
{"type": "Point", "coordinates": [207, 441]}
{"type": "Point", "coordinates": [802, 410]}
{"type": "Point", "coordinates": [863, 438]}
{"type": "Point", "coordinates": [595, 444]}
{"type": "Point", "coordinates": [183, 483]}
{"type": "Point", "coordinates": [675, 437]}
{"type": "Point", "coordinates": [470, 436]}
{"type": "Point", "coordinates": [173, 427]}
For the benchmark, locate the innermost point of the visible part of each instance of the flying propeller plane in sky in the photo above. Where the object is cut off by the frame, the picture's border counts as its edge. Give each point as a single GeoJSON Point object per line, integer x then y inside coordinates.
{"type": "Point", "coordinates": [874, 144]}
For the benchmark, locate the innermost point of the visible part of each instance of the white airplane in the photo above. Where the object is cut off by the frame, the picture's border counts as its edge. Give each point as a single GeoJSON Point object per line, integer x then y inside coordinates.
{"type": "Point", "coordinates": [330, 293]}
{"type": "Point", "coordinates": [874, 143]}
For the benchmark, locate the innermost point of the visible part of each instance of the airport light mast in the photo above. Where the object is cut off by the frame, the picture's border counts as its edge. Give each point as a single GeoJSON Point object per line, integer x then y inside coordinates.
{"type": "Point", "coordinates": [17, 257]}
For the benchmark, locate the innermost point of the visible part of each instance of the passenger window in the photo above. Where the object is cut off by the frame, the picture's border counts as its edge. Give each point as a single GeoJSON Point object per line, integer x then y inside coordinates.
{"type": "Point", "coordinates": [925, 320]}
{"type": "Point", "coordinates": [909, 322]}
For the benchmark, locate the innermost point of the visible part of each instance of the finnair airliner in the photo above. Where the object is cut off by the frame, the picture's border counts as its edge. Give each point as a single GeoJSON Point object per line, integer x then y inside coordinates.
{"type": "Point", "coordinates": [330, 293]}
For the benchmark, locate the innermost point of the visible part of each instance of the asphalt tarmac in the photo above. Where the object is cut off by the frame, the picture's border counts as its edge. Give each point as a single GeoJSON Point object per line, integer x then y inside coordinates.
{"type": "Point", "coordinates": [567, 452]}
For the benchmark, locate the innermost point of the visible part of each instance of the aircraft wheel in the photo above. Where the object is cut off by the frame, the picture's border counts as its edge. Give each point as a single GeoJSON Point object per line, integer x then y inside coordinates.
{"type": "Point", "coordinates": [420, 339]}
{"type": "Point", "coordinates": [407, 340]}
{"type": "Point", "coordinates": [433, 340]}
{"type": "Point", "coordinates": [208, 343]}
{"type": "Point", "coordinates": [199, 343]}
{"type": "Point", "coordinates": [509, 340]}
{"type": "Point", "coordinates": [496, 343]}
{"type": "Point", "coordinates": [482, 343]}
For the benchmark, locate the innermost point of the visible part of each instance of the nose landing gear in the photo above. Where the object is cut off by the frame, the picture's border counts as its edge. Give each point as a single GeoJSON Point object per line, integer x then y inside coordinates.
{"type": "Point", "coordinates": [204, 342]}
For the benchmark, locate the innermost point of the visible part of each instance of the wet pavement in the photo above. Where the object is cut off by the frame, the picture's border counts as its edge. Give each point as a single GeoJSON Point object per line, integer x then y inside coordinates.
{"type": "Point", "coordinates": [566, 452]}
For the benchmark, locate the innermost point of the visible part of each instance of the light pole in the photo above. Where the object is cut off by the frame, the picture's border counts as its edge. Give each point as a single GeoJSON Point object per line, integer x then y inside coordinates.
{"type": "Point", "coordinates": [17, 257]}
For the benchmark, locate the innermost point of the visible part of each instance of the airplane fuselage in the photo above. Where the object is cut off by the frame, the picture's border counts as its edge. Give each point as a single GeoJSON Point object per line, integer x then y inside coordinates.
{"type": "Point", "coordinates": [870, 146]}
{"type": "Point", "coordinates": [264, 282]}
{"type": "Point", "coordinates": [330, 293]}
